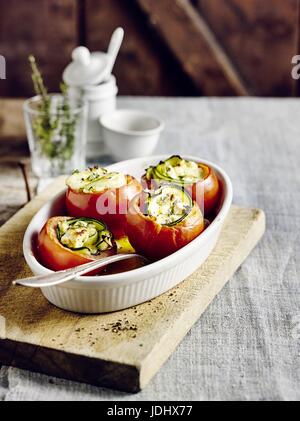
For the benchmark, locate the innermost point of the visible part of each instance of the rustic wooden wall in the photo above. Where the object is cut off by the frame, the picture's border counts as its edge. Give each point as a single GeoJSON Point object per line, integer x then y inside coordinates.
{"type": "Point", "coordinates": [261, 38]}
{"type": "Point", "coordinates": [171, 47]}
{"type": "Point", "coordinates": [144, 66]}
{"type": "Point", "coordinates": [46, 28]}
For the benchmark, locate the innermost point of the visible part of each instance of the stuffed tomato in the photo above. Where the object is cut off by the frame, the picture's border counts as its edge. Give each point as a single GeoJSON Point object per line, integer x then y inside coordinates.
{"type": "Point", "coordinates": [161, 221]}
{"type": "Point", "coordinates": [101, 194]}
{"type": "Point", "coordinates": [199, 179]}
{"type": "Point", "coordinates": [65, 242]}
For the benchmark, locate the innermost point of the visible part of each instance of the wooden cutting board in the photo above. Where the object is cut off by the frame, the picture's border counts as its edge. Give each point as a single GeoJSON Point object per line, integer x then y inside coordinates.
{"type": "Point", "coordinates": [121, 350]}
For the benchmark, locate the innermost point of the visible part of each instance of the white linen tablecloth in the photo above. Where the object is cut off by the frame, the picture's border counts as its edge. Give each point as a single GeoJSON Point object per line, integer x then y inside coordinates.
{"type": "Point", "coordinates": [246, 346]}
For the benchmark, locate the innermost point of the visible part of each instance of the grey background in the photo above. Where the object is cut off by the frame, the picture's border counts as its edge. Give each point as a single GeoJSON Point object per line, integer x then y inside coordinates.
{"type": "Point", "coordinates": [246, 346]}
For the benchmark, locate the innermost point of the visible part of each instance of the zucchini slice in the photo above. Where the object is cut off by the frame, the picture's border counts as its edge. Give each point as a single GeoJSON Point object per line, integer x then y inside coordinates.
{"type": "Point", "coordinates": [176, 170]}
{"type": "Point", "coordinates": [168, 205]}
{"type": "Point", "coordinates": [84, 235]}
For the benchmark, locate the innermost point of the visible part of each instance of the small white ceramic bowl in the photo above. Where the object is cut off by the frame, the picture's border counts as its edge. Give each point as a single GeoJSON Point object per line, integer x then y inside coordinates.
{"type": "Point", "coordinates": [99, 294]}
{"type": "Point", "coordinates": [130, 133]}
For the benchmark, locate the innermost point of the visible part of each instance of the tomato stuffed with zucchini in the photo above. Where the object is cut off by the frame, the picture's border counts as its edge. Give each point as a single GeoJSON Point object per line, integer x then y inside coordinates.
{"type": "Point", "coordinates": [101, 194]}
{"type": "Point", "coordinates": [65, 242]}
{"type": "Point", "coordinates": [198, 178]}
{"type": "Point", "coordinates": [161, 221]}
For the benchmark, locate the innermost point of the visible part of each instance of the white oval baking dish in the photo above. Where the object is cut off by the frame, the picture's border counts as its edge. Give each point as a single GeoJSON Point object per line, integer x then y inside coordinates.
{"type": "Point", "coordinates": [99, 294]}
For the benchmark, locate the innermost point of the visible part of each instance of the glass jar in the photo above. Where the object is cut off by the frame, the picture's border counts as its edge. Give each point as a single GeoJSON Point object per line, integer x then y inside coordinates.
{"type": "Point", "coordinates": [56, 134]}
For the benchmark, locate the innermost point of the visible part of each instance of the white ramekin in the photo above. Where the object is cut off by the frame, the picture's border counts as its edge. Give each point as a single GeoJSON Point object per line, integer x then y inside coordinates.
{"type": "Point", "coordinates": [130, 133]}
{"type": "Point", "coordinates": [99, 294]}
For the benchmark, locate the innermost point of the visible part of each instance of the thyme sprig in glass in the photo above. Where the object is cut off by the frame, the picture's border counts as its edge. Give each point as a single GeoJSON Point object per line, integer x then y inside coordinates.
{"type": "Point", "coordinates": [54, 128]}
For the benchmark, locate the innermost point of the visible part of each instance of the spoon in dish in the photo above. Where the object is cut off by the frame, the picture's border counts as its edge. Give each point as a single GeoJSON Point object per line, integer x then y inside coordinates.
{"type": "Point", "coordinates": [61, 276]}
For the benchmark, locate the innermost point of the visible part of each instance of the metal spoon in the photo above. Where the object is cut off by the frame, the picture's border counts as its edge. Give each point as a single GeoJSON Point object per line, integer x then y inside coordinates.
{"type": "Point", "coordinates": [65, 275]}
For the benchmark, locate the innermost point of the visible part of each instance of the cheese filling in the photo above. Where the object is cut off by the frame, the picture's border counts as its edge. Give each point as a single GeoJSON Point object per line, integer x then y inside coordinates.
{"type": "Point", "coordinates": [168, 205]}
{"type": "Point", "coordinates": [95, 180]}
{"type": "Point", "coordinates": [85, 236]}
{"type": "Point", "coordinates": [176, 169]}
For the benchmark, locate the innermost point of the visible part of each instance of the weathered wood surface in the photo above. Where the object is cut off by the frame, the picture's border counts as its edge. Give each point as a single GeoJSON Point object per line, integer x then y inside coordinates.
{"type": "Point", "coordinates": [45, 28]}
{"type": "Point", "coordinates": [143, 65]}
{"type": "Point", "coordinates": [12, 190]}
{"type": "Point", "coordinates": [194, 46]}
{"type": "Point", "coordinates": [260, 37]}
{"type": "Point", "coordinates": [40, 337]}
{"type": "Point", "coordinates": [171, 47]}
{"type": "Point", "coordinates": [13, 150]}
{"type": "Point", "coordinates": [11, 120]}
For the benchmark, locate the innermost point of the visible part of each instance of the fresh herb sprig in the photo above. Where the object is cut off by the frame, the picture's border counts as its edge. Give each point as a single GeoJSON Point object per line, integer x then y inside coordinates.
{"type": "Point", "coordinates": [53, 128]}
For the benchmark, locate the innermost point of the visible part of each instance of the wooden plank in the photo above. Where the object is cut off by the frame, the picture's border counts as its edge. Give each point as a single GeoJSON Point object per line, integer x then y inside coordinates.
{"type": "Point", "coordinates": [13, 150]}
{"type": "Point", "coordinates": [11, 118]}
{"type": "Point", "coordinates": [260, 37]}
{"type": "Point", "coordinates": [40, 337]}
{"type": "Point", "coordinates": [45, 28]}
{"type": "Point", "coordinates": [12, 190]}
{"type": "Point", "coordinates": [143, 66]}
{"type": "Point", "coordinates": [194, 46]}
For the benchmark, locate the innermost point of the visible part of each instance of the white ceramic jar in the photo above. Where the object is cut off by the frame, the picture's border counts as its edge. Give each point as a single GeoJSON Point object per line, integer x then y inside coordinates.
{"type": "Point", "coordinates": [100, 99]}
{"type": "Point", "coordinates": [89, 77]}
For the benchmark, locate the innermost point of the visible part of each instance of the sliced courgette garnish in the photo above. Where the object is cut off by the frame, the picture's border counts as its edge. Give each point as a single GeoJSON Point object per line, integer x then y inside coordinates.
{"type": "Point", "coordinates": [84, 235]}
{"type": "Point", "coordinates": [168, 205]}
{"type": "Point", "coordinates": [176, 170]}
